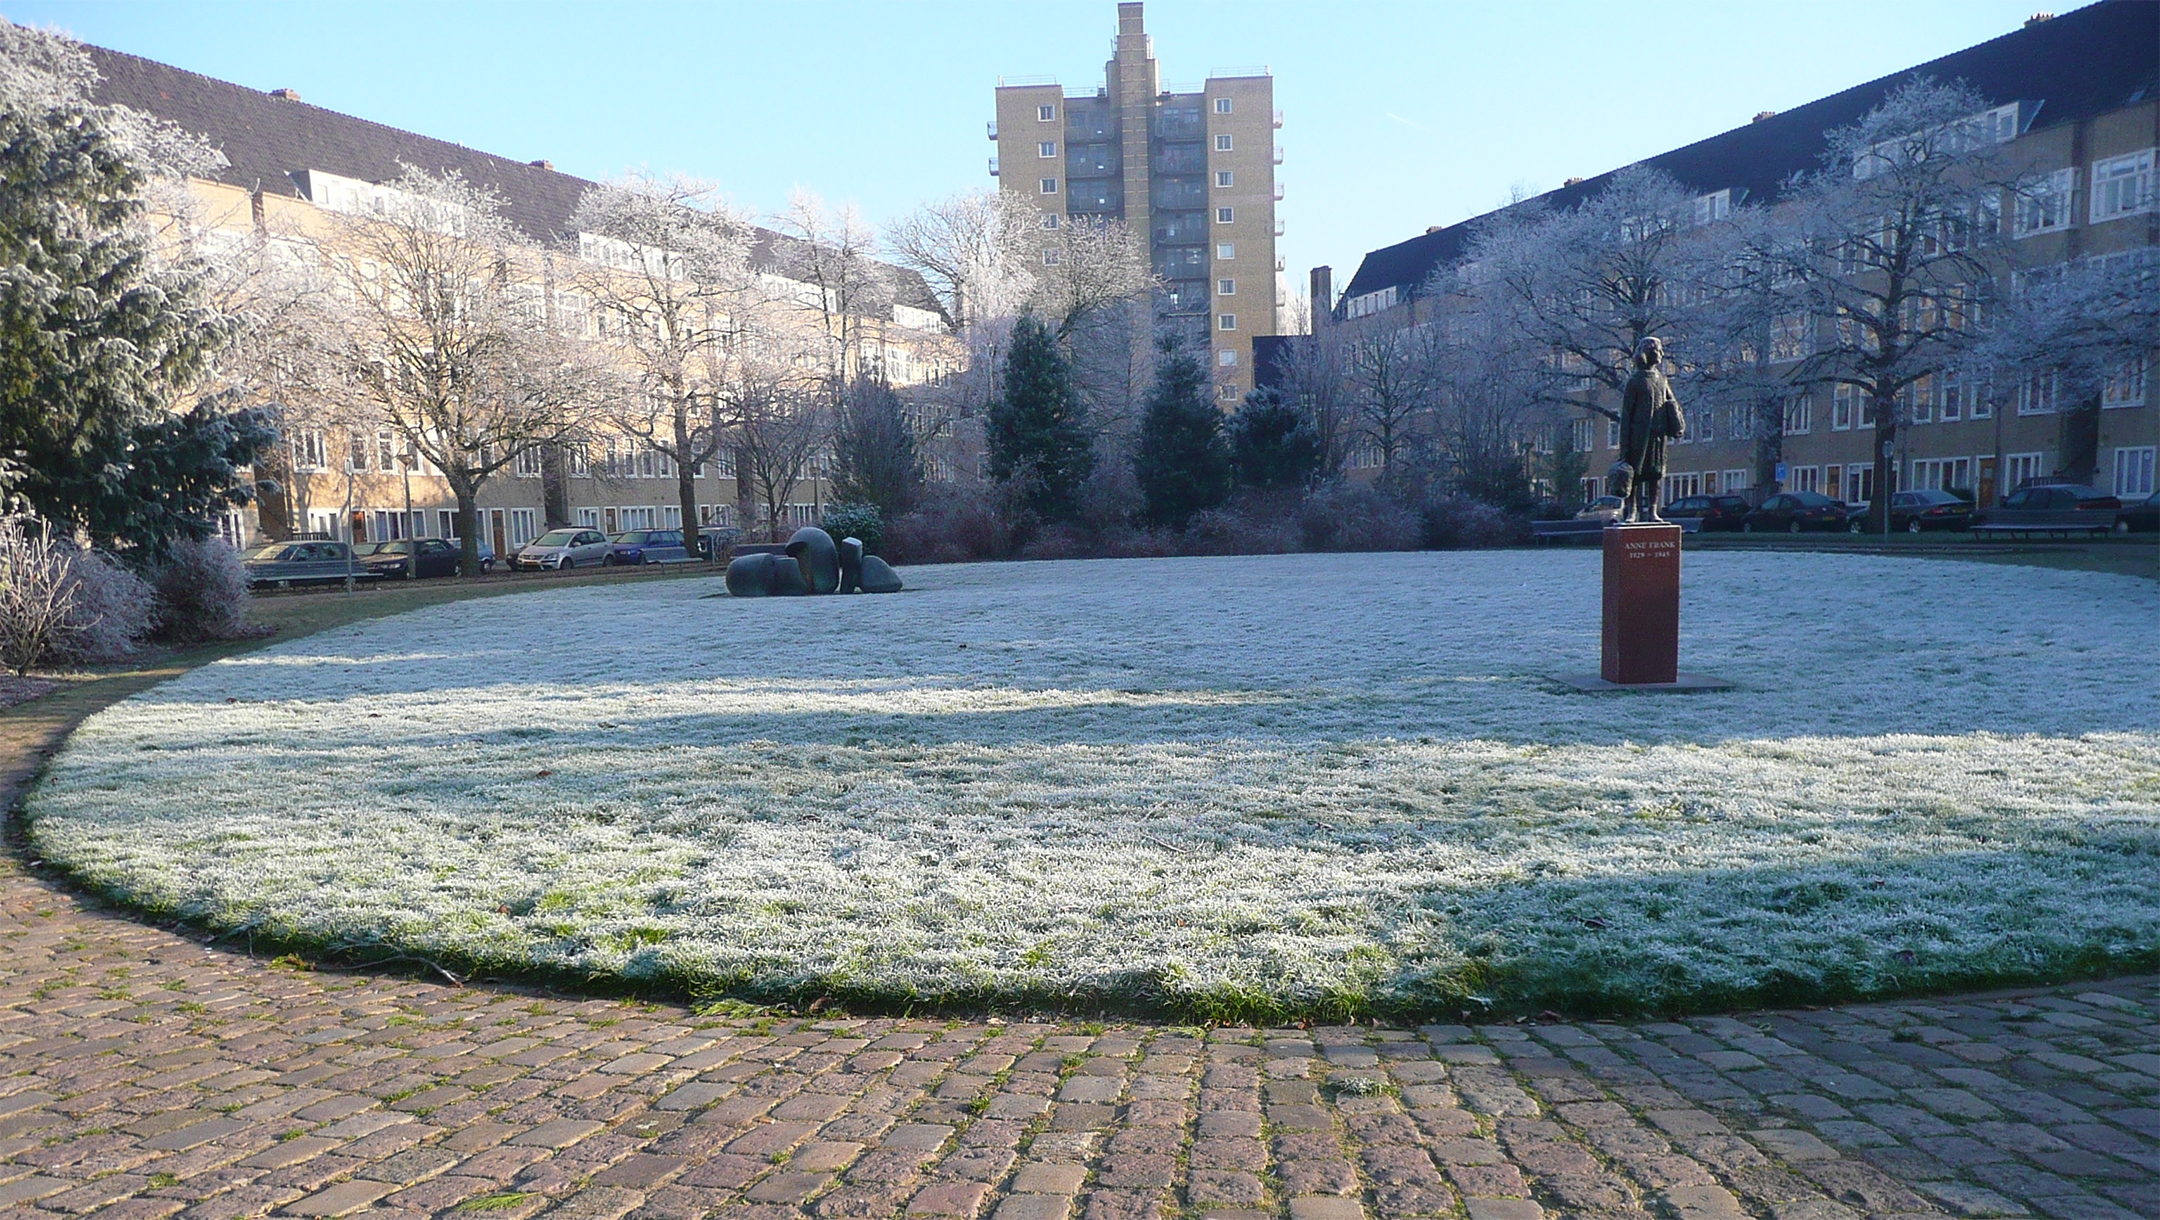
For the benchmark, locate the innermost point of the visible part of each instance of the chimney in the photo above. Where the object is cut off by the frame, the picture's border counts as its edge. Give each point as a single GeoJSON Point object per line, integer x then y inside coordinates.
{"type": "Point", "coordinates": [1760, 115]}
{"type": "Point", "coordinates": [1573, 182]}
{"type": "Point", "coordinates": [1434, 228]}
{"type": "Point", "coordinates": [541, 164]}
{"type": "Point", "coordinates": [286, 95]}
{"type": "Point", "coordinates": [1323, 297]}
{"type": "Point", "coordinates": [2037, 18]}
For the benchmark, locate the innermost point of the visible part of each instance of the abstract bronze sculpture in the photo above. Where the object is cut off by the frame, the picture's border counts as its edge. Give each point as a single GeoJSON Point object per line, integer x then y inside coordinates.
{"type": "Point", "coordinates": [1649, 418]}
{"type": "Point", "coordinates": [812, 564]}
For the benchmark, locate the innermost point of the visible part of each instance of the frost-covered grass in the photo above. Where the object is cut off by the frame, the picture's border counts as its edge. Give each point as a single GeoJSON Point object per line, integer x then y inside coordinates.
{"type": "Point", "coordinates": [1233, 787]}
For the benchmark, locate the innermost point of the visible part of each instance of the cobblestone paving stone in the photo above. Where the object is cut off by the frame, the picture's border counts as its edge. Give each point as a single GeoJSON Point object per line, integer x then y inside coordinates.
{"type": "Point", "coordinates": [147, 1075]}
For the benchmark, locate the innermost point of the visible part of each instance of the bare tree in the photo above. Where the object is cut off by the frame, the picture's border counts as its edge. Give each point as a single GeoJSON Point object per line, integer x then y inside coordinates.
{"type": "Point", "coordinates": [1891, 246]}
{"type": "Point", "coordinates": [775, 426]}
{"type": "Point", "coordinates": [667, 264]}
{"type": "Point", "coordinates": [971, 249]}
{"type": "Point", "coordinates": [832, 258]}
{"type": "Point", "coordinates": [457, 357]}
{"type": "Point", "coordinates": [1745, 337]}
{"type": "Point", "coordinates": [1389, 376]}
{"type": "Point", "coordinates": [1586, 285]}
{"type": "Point", "coordinates": [37, 594]}
{"type": "Point", "coordinates": [1312, 379]}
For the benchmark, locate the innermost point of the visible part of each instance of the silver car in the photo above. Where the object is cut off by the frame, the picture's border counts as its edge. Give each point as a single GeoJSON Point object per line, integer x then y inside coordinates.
{"type": "Point", "coordinates": [563, 548]}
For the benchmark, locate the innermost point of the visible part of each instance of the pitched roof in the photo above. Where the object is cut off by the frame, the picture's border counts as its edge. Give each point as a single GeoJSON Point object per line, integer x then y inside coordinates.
{"type": "Point", "coordinates": [265, 139]}
{"type": "Point", "coordinates": [2096, 59]}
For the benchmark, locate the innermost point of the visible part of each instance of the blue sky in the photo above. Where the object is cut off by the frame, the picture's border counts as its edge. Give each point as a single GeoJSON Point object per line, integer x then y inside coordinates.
{"type": "Point", "coordinates": [1398, 115]}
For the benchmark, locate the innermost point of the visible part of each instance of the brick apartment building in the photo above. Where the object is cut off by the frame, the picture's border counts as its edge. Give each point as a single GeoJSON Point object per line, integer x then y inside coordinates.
{"type": "Point", "coordinates": [2078, 97]}
{"type": "Point", "coordinates": [291, 166]}
{"type": "Point", "coordinates": [1191, 168]}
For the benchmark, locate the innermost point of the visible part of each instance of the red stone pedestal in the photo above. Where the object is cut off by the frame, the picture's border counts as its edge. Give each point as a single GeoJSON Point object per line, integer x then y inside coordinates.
{"type": "Point", "coordinates": [1642, 605]}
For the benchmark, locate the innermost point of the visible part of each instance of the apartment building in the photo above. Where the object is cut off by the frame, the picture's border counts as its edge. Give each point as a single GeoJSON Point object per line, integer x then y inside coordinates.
{"type": "Point", "coordinates": [293, 169]}
{"type": "Point", "coordinates": [2076, 98]}
{"type": "Point", "coordinates": [1190, 168]}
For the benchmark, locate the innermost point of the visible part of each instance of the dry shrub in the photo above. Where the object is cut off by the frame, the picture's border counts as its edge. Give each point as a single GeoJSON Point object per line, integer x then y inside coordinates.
{"type": "Point", "coordinates": [114, 610]}
{"type": "Point", "coordinates": [1450, 523]}
{"type": "Point", "coordinates": [202, 593]}
{"type": "Point", "coordinates": [951, 525]}
{"type": "Point", "coordinates": [1355, 517]}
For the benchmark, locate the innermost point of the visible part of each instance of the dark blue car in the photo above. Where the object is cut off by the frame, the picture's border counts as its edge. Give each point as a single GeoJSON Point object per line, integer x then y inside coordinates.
{"type": "Point", "coordinates": [646, 546]}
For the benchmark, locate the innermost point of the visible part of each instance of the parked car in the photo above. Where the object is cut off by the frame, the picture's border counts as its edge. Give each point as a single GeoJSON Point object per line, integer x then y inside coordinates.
{"type": "Point", "coordinates": [1929, 509]}
{"type": "Point", "coordinates": [1715, 512]}
{"type": "Point", "coordinates": [285, 564]}
{"type": "Point", "coordinates": [2050, 508]}
{"type": "Point", "coordinates": [1792, 511]}
{"type": "Point", "coordinates": [1604, 508]}
{"type": "Point", "coordinates": [647, 546]}
{"type": "Point", "coordinates": [2139, 516]}
{"type": "Point", "coordinates": [559, 549]}
{"type": "Point", "coordinates": [407, 558]}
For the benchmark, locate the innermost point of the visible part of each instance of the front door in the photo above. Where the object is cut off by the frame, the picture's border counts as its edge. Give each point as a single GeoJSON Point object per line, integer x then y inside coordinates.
{"type": "Point", "coordinates": [1984, 484]}
{"type": "Point", "coordinates": [495, 524]}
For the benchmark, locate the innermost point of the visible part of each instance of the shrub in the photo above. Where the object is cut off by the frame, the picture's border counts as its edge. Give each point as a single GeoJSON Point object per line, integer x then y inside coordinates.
{"type": "Point", "coordinates": [37, 593]}
{"type": "Point", "coordinates": [1449, 523]}
{"type": "Point", "coordinates": [114, 610]}
{"type": "Point", "coordinates": [202, 593]}
{"type": "Point", "coordinates": [862, 521]}
{"type": "Point", "coordinates": [1354, 517]}
{"type": "Point", "coordinates": [1272, 443]}
{"type": "Point", "coordinates": [953, 525]}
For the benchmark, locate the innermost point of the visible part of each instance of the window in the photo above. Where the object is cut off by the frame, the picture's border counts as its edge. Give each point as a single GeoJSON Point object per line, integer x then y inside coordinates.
{"type": "Point", "coordinates": [1227, 321]}
{"type": "Point", "coordinates": [1049, 186]}
{"type": "Point", "coordinates": [1842, 400]}
{"type": "Point", "coordinates": [1226, 288]}
{"type": "Point", "coordinates": [1222, 105]}
{"type": "Point", "coordinates": [2036, 393]}
{"type": "Point", "coordinates": [523, 526]}
{"type": "Point", "coordinates": [1791, 337]}
{"type": "Point", "coordinates": [1582, 434]}
{"type": "Point", "coordinates": [1735, 480]}
{"type": "Point", "coordinates": [1045, 114]}
{"type": "Point", "coordinates": [2122, 186]}
{"type": "Point", "coordinates": [2046, 207]}
{"type": "Point", "coordinates": [2125, 387]}
{"type": "Point", "coordinates": [1051, 258]}
{"type": "Point", "coordinates": [2134, 472]}
{"type": "Point", "coordinates": [1711, 208]}
{"type": "Point", "coordinates": [1806, 478]}
{"type": "Point", "coordinates": [1225, 249]}
{"type": "Point", "coordinates": [1222, 143]}
{"type": "Point", "coordinates": [1612, 434]}
{"type": "Point", "coordinates": [1916, 402]}
{"type": "Point", "coordinates": [1859, 484]}
{"type": "Point", "coordinates": [1225, 216]}
{"type": "Point", "coordinates": [589, 518]}
{"type": "Point", "coordinates": [1224, 177]}
{"type": "Point", "coordinates": [1048, 148]}
{"type": "Point", "coordinates": [446, 523]}
{"type": "Point", "coordinates": [2021, 467]}
{"type": "Point", "coordinates": [1950, 394]}
{"type": "Point", "coordinates": [1050, 220]}
{"type": "Point", "coordinates": [1227, 357]}
{"type": "Point", "coordinates": [356, 451]}
{"type": "Point", "coordinates": [309, 452]}
{"type": "Point", "coordinates": [1799, 416]}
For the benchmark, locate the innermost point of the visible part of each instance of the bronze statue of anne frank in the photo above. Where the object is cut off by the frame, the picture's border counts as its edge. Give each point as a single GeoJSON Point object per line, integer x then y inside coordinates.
{"type": "Point", "coordinates": [1649, 418]}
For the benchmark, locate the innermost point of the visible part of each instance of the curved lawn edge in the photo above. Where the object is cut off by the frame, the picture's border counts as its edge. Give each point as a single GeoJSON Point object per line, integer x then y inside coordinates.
{"type": "Point", "coordinates": [1472, 993]}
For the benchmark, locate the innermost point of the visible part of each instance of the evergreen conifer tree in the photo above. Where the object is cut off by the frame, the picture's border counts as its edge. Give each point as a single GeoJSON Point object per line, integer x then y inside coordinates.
{"type": "Point", "coordinates": [1181, 462]}
{"type": "Point", "coordinates": [99, 341]}
{"type": "Point", "coordinates": [1037, 434]}
{"type": "Point", "coordinates": [1273, 446]}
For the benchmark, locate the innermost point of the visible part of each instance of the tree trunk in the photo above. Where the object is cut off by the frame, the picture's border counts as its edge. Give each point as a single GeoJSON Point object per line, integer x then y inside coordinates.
{"type": "Point", "coordinates": [1769, 445]}
{"type": "Point", "coordinates": [2080, 445]}
{"type": "Point", "coordinates": [468, 529]}
{"type": "Point", "coordinates": [685, 476]}
{"type": "Point", "coordinates": [1885, 441]}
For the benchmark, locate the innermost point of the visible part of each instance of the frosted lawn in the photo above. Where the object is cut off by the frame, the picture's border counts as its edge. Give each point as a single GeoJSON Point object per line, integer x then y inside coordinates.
{"type": "Point", "coordinates": [1238, 787]}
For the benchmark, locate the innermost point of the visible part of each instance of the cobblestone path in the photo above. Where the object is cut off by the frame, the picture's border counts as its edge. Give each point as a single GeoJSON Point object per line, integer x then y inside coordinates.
{"type": "Point", "coordinates": [146, 1075]}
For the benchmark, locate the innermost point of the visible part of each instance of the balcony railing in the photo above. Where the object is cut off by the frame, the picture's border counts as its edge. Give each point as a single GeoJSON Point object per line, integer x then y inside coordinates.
{"type": "Point", "coordinates": [1280, 264]}
{"type": "Point", "coordinates": [1278, 192]}
{"type": "Point", "coordinates": [1278, 228]}
{"type": "Point", "coordinates": [993, 167]}
{"type": "Point", "coordinates": [992, 127]}
{"type": "Point", "coordinates": [1278, 154]}
{"type": "Point", "coordinates": [1278, 120]}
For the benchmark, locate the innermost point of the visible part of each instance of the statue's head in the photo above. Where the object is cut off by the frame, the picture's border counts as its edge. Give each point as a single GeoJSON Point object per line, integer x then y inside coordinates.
{"type": "Point", "coordinates": [1650, 352]}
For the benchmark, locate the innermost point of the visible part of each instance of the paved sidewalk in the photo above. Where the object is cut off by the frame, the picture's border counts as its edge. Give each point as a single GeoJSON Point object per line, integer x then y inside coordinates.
{"type": "Point", "coordinates": [146, 1075]}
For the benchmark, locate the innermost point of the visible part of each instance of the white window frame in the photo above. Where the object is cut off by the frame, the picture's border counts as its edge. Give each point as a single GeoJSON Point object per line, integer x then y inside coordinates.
{"type": "Point", "coordinates": [2048, 206]}
{"type": "Point", "coordinates": [523, 526]}
{"type": "Point", "coordinates": [1225, 287]}
{"type": "Point", "coordinates": [1224, 177]}
{"type": "Point", "coordinates": [1226, 358]}
{"type": "Point", "coordinates": [526, 465]}
{"type": "Point", "coordinates": [1049, 186]}
{"type": "Point", "coordinates": [1225, 216]}
{"type": "Point", "coordinates": [1225, 251]}
{"type": "Point", "coordinates": [1800, 415]}
{"type": "Point", "coordinates": [1046, 113]}
{"type": "Point", "coordinates": [1223, 105]}
{"type": "Point", "coordinates": [1223, 142]}
{"type": "Point", "coordinates": [1050, 220]}
{"type": "Point", "coordinates": [2121, 186]}
{"type": "Point", "coordinates": [2134, 470]}
{"type": "Point", "coordinates": [1046, 149]}
{"type": "Point", "coordinates": [2125, 387]}
{"type": "Point", "coordinates": [2018, 468]}
{"type": "Point", "coordinates": [1226, 321]}
{"type": "Point", "coordinates": [2037, 392]}
{"type": "Point", "coordinates": [1052, 257]}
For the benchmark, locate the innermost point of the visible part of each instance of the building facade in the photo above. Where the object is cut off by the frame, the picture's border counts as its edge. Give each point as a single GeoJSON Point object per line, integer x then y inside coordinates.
{"type": "Point", "coordinates": [1190, 169]}
{"type": "Point", "coordinates": [293, 172]}
{"type": "Point", "coordinates": [2076, 101]}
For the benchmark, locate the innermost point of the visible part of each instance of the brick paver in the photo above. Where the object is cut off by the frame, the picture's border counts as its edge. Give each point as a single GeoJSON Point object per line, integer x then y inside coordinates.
{"type": "Point", "coordinates": [143, 1074]}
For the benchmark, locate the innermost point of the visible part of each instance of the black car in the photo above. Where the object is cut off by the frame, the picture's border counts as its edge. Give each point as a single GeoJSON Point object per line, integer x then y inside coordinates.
{"type": "Point", "coordinates": [407, 558]}
{"type": "Point", "coordinates": [2139, 516]}
{"type": "Point", "coordinates": [2051, 508]}
{"type": "Point", "coordinates": [1913, 511]}
{"type": "Point", "coordinates": [1789, 512]}
{"type": "Point", "coordinates": [1717, 512]}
